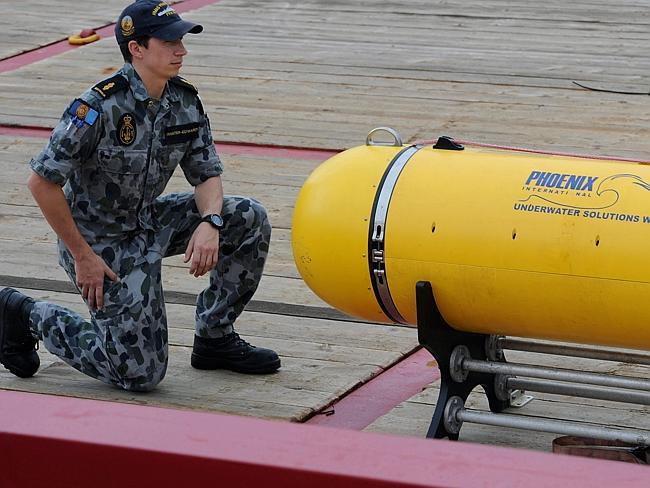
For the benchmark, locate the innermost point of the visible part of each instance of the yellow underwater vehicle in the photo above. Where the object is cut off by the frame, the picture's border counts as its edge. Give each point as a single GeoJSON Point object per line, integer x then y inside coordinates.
{"type": "Point", "coordinates": [512, 242]}
{"type": "Point", "coordinates": [476, 244]}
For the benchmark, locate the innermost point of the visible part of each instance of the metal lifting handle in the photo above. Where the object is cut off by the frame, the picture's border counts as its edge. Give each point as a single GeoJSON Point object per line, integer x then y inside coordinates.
{"type": "Point", "coordinates": [397, 140]}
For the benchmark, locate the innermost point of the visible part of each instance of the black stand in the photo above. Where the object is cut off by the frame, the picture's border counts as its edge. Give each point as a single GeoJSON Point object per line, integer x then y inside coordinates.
{"type": "Point", "coordinates": [440, 340]}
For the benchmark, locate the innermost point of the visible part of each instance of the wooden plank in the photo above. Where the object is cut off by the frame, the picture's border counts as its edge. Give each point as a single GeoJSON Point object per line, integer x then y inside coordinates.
{"type": "Point", "coordinates": [275, 289]}
{"type": "Point", "coordinates": [278, 201]}
{"type": "Point", "coordinates": [27, 235]}
{"type": "Point", "coordinates": [321, 360]}
{"type": "Point", "coordinates": [38, 258]}
{"type": "Point", "coordinates": [327, 333]}
{"type": "Point", "coordinates": [184, 298]}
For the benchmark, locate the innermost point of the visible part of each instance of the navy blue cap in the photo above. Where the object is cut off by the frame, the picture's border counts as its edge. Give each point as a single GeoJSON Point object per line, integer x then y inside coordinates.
{"type": "Point", "coordinates": [152, 18]}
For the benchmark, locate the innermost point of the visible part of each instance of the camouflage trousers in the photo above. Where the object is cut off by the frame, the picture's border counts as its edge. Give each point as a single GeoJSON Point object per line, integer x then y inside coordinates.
{"type": "Point", "coordinates": [125, 343]}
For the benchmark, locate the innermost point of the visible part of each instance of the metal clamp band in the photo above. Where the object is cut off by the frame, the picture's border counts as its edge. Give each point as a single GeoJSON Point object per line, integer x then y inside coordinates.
{"type": "Point", "coordinates": [377, 233]}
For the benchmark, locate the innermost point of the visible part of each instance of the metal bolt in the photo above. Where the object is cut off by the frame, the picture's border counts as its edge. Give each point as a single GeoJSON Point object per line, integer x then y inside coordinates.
{"type": "Point", "coordinates": [451, 422]}
{"type": "Point", "coordinates": [492, 349]}
{"type": "Point", "coordinates": [456, 370]}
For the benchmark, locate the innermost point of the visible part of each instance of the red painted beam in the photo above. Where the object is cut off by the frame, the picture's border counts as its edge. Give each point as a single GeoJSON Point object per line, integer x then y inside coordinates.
{"type": "Point", "coordinates": [231, 148]}
{"type": "Point", "coordinates": [25, 131]}
{"type": "Point", "coordinates": [61, 46]}
{"type": "Point", "coordinates": [380, 395]}
{"type": "Point", "coordinates": [60, 442]}
{"type": "Point", "coordinates": [288, 152]}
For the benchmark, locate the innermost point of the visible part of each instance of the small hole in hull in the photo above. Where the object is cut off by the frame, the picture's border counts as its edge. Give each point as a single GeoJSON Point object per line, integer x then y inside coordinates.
{"type": "Point", "coordinates": [514, 234]}
{"type": "Point", "coordinates": [597, 240]}
{"type": "Point", "coordinates": [433, 227]}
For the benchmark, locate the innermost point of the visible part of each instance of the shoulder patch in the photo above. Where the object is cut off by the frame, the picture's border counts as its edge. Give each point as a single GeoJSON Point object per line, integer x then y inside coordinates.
{"type": "Point", "coordinates": [82, 113]}
{"type": "Point", "coordinates": [180, 81]}
{"type": "Point", "coordinates": [111, 85]}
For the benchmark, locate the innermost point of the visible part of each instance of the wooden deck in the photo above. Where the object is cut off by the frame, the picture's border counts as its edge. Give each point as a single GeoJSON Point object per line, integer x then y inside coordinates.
{"type": "Point", "coordinates": [321, 74]}
{"type": "Point", "coordinates": [318, 74]}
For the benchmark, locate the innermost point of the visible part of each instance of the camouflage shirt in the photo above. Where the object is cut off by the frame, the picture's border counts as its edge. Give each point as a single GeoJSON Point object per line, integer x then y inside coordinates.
{"type": "Point", "coordinates": [115, 149]}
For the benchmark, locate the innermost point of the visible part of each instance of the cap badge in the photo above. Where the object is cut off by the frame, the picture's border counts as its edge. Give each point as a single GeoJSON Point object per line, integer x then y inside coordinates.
{"type": "Point", "coordinates": [163, 9]}
{"type": "Point", "coordinates": [126, 131]}
{"type": "Point", "coordinates": [127, 26]}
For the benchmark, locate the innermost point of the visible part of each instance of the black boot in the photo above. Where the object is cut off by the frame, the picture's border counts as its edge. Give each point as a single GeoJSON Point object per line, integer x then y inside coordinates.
{"type": "Point", "coordinates": [233, 353]}
{"type": "Point", "coordinates": [17, 345]}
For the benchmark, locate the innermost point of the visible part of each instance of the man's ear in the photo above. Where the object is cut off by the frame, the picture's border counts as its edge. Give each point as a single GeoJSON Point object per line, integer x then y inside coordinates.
{"type": "Point", "coordinates": [135, 49]}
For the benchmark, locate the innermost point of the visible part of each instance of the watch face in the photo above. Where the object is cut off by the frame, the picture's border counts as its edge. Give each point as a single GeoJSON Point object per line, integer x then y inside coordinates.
{"type": "Point", "coordinates": [216, 220]}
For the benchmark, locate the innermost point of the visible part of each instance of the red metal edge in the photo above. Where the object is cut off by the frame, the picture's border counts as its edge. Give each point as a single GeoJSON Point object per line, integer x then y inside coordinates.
{"type": "Point", "coordinates": [381, 394]}
{"type": "Point", "coordinates": [25, 131]}
{"type": "Point", "coordinates": [57, 441]}
{"type": "Point", "coordinates": [288, 152]}
{"type": "Point", "coordinates": [61, 46]}
{"type": "Point", "coordinates": [231, 148]}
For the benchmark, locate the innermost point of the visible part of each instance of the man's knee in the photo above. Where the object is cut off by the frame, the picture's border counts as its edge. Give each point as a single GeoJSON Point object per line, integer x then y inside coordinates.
{"type": "Point", "coordinates": [136, 347]}
{"type": "Point", "coordinates": [244, 212]}
{"type": "Point", "coordinates": [142, 383]}
{"type": "Point", "coordinates": [260, 219]}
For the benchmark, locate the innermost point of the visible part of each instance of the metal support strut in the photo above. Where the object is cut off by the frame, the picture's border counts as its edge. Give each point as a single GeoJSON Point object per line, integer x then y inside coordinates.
{"type": "Point", "coordinates": [441, 340]}
{"type": "Point", "coordinates": [467, 360]}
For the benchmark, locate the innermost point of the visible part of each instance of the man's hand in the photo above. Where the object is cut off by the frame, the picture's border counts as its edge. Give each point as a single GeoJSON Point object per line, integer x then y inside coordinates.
{"type": "Point", "coordinates": [90, 270]}
{"type": "Point", "coordinates": [203, 249]}
{"type": "Point", "coordinates": [89, 267]}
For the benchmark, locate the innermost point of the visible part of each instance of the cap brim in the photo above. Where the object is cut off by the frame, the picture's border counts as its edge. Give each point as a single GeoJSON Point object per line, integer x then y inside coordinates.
{"type": "Point", "coordinates": [177, 30]}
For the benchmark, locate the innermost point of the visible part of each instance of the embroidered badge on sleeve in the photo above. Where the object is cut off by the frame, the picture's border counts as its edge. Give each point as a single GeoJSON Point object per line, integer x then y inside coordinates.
{"type": "Point", "coordinates": [82, 113]}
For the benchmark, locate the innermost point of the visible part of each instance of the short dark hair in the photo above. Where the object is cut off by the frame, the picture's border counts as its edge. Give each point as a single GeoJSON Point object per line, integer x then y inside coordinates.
{"type": "Point", "coordinates": [124, 47]}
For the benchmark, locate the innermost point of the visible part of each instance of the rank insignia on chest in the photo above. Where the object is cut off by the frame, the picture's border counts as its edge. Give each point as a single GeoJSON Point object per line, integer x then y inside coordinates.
{"type": "Point", "coordinates": [82, 113]}
{"type": "Point", "coordinates": [126, 129]}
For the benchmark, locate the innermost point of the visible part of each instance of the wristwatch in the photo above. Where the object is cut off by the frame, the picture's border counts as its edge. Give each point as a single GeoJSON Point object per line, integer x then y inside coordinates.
{"type": "Point", "coordinates": [214, 220]}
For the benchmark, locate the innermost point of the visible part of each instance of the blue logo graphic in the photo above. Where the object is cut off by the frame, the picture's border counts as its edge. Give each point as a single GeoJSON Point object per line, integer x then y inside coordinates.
{"type": "Point", "coordinates": [606, 192]}
{"type": "Point", "coordinates": [562, 181]}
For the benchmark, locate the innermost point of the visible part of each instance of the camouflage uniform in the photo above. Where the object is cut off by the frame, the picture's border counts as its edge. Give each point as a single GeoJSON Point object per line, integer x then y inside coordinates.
{"type": "Point", "coordinates": [114, 156]}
